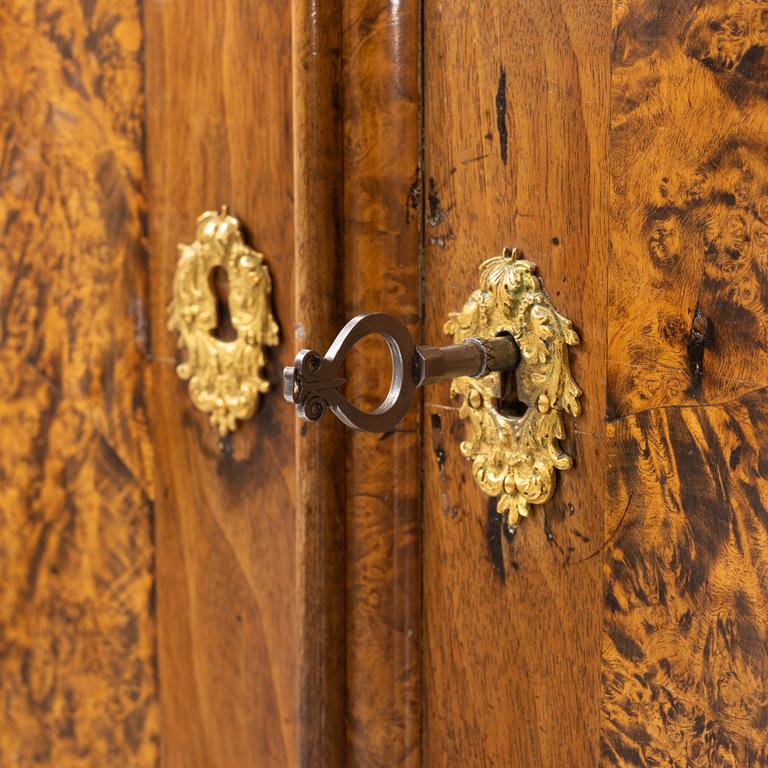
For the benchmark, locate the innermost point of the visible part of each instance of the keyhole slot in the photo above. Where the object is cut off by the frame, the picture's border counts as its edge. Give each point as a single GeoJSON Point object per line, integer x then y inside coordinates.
{"type": "Point", "coordinates": [224, 330]}
{"type": "Point", "coordinates": [509, 403]}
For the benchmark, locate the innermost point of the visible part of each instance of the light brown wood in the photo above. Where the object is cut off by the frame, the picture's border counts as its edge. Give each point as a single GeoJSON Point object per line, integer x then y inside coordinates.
{"type": "Point", "coordinates": [77, 659]}
{"type": "Point", "coordinates": [685, 669]}
{"type": "Point", "coordinates": [306, 614]}
{"type": "Point", "coordinates": [219, 131]}
{"type": "Point", "coordinates": [682, 663]}
{"type": "Point", "coordinates": [381, 273]}
{"type": "Point", "coordinates": [516, 100]}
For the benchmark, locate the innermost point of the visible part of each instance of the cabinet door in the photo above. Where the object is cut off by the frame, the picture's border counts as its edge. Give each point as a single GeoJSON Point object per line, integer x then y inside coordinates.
{"type": "Point", "coordinates": [622, 148]}
{"type": "Point", "coordinates": [218, 111]}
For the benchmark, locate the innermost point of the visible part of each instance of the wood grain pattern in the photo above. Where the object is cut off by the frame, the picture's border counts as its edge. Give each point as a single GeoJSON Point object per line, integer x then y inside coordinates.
{"type": "Point", "coordinates": [623, 624]}
{"type": "Point", "coordinates": [516, 124]}
{"type": "Point", "coordinates": [688, 205]}
{"type": "Point", "coordinates": [219, 131]}
{"type": "Point", "coordinates": [685, 668]}
{"type": "Point", "coordinates": [320, 449]}
{"type": "Point", "coordinates": [685, 659]}
{"type": "Point", "coordinates": [381, 272]}
{"type": "Point", "coordinates": [77, 679]}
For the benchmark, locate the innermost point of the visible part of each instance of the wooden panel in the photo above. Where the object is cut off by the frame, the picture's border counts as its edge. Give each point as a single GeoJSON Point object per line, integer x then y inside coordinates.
{"type": "Point", "coordinates": [685, 673]}
{"type": "Point", "coordinates": [685, 678]}
{"type": "Point", "coordinates": [77, 681]}
{"type": "Point", "coordinates": [516, 100]}
{"type": "Point", "coordinates": [219, 131]}
{"type": "Point", "coordinates": [687, 220]}
{"type": "Point", "coordinates": [381, 270]}
{"type": "Point", "coordinates": [320, 479]}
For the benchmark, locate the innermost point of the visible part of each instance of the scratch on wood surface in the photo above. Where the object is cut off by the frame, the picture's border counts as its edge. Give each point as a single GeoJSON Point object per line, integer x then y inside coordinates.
{"type": "Point", "coordinates": [441, 407]}
{"type": "Point", "coordinates": [687, 406]}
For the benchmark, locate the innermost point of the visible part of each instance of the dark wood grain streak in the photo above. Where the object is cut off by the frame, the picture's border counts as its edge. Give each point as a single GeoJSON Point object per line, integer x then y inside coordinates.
{"type": "Point", "coordinates": [381, 271]}
{"type": "Point", "coordinates": [685, 650]}
{"type": "Point", "coordinates": [320, 448]}
{"type": "Point", "coordinates": [685, 666]}
{"type": "Point", "coordinates": [77, 656]}
{"type": "Point", "coordinates": [513, 623]}
{"type": "Point", "coordinates": [219, 131]}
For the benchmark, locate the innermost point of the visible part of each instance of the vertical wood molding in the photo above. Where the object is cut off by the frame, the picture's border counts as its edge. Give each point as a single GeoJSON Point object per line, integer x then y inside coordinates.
{"type": "Point", "coordinates": [382, 215]}
{"type": "Point", "coordinates": [320, 448]}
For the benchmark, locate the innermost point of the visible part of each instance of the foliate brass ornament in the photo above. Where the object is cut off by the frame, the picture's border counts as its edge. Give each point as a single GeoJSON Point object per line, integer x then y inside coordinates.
{"type": "Point", "coordinates": [515, 457]}
{"type": "Point", "coordinates": [225, 377]}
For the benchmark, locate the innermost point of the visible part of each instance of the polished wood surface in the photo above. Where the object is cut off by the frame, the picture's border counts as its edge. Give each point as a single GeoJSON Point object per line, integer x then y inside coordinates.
{"type": "Point", "coordinates": [218, 91]}
{"type": "Point", "coordinates": [299, 594]}
{"type": "Point", "coordinates": [685, 667]}
{"type": "Point", "coordinates": [381, 273]}
{"type": "Point", "coordinates": [320, 449]}
{"type": "Point", "coordinates": [77, 660]}
{"type": "Point", "coordinates": [515, 111]}
{"type": "Point", "coordinates": [670, 578]}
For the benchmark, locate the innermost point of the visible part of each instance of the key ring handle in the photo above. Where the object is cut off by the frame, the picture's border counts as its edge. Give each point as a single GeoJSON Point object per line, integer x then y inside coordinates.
{"type": "Point", "coordinates": [313, 383]}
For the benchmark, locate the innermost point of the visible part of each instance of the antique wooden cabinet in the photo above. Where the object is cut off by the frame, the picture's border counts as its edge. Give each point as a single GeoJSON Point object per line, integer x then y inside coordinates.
{"type": "Point", "coordinates": [303, 594]}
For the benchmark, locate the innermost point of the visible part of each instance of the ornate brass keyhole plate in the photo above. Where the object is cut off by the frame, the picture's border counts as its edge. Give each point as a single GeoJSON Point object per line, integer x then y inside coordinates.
{"type": "Point", "coordinates": [515, 457]}
{"type": "Point", "coordinates": [225, 377]}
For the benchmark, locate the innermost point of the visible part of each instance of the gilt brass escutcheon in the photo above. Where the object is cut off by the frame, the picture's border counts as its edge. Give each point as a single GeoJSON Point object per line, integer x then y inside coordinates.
{"type": "Point", "coordinates": [225, 377]}
{"type": "Point", "coordinates": [514, 457]}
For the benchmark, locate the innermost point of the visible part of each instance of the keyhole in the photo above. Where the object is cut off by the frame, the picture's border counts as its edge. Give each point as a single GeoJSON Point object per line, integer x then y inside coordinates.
{"type": "Point", "coordinates": [224, 330]}
{"type": "Point", "coordinates": [509, 403]}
